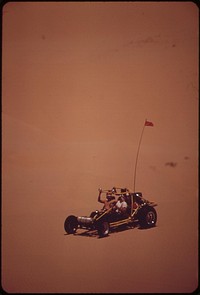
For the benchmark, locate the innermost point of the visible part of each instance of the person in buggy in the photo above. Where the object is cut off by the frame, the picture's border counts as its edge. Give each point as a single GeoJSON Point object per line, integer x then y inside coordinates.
{"type": "Point", "coordinates": [121, 205]}
{"type": "Point", "coordinates": [121, 208]}
{"type": "Point", "coordinates": [118, 205]}
{"type": "Point", "coordinates": [109, 201]}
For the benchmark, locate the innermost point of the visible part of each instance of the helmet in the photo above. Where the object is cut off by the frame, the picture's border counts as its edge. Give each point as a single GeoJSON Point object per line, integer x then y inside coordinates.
{"type": "Point", "coordinates": [121, 198]}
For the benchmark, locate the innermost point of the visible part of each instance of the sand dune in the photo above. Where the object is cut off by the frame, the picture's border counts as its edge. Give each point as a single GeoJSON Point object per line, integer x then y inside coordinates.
{"type": "Point", "coordinates": [78, 82]}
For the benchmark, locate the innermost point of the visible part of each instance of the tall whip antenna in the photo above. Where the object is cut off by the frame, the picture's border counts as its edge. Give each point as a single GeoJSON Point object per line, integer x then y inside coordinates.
{"type": "Point", "coordinates": [146, 123]}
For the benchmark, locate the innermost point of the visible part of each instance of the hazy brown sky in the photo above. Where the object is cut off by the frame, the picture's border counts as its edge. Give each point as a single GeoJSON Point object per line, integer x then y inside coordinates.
{"type": "Point", "coordinates": [78, 82]}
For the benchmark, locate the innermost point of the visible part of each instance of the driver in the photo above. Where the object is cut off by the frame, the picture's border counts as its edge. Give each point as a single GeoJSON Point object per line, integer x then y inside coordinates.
{"type": "Point", "coordinates": [109, 202]}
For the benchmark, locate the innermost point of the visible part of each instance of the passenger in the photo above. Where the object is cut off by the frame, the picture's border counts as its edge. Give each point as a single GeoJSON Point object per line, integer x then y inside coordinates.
{"type": "Point", "coordinates": [109, 202]}
{"type": "Point", "coordinates": [121, 205]}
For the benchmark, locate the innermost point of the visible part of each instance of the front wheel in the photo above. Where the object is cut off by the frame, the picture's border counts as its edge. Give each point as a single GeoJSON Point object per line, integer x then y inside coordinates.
{"type": "Point", "coordinates": [71, 224]}
{"type": "Point", "coordinates": [147, 217]}
{"type": "Point", "coordinates": [103, 229]}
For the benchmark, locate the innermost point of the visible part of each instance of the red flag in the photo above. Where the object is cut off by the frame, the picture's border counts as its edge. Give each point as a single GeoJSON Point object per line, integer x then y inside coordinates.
{"type": "Point", "coordinates": [148, 123]}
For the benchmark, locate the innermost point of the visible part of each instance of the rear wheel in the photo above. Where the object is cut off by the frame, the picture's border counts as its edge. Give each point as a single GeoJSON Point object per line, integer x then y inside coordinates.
{"type": "Point", "coordinates": [147, 217]}
{"type": "Point", "coordinates": [71, 224]}
{"type": "Point", "coordinates": [103, 229]}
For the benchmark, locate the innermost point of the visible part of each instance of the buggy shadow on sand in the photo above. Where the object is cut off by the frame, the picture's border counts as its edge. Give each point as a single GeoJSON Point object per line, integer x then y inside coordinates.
{"type": "Point", "coordinates": [140, 212]}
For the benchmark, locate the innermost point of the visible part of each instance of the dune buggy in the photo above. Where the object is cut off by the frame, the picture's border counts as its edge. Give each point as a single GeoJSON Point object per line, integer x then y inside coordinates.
{"type": "Point", "coordinates": [139, 211]}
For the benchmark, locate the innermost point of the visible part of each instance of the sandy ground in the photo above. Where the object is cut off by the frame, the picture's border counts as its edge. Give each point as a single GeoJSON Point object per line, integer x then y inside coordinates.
{"type": "Point", "coordinates": [77, 86]}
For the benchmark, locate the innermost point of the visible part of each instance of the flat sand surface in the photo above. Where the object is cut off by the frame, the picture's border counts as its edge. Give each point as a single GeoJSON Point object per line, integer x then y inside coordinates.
{"type": "Point", "coordinates": [78, 82]}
